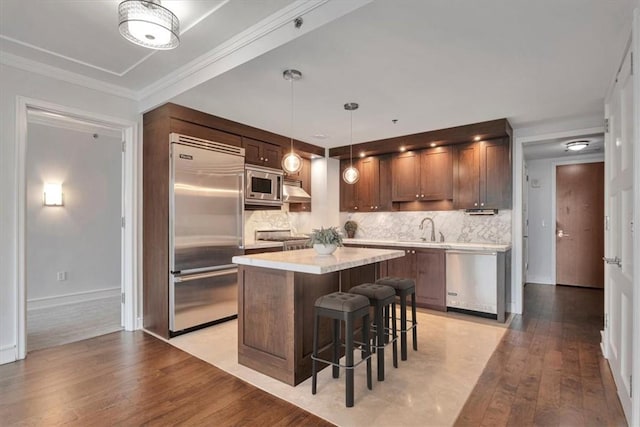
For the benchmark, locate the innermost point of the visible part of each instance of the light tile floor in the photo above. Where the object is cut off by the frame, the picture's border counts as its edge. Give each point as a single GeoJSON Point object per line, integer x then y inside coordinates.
{"type": "Point", "coordinates": [429, 389]}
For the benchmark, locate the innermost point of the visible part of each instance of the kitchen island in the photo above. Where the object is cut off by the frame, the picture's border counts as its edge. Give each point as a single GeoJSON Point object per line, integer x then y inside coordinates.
{"type": "Point", "coordinates": [276, 293]}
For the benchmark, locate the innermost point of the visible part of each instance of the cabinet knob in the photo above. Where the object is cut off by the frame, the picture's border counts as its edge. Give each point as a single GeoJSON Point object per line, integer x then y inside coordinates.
{"type": "Point", "coordinates": [371, 207]}
{"type": "Point", "coordinates": [355, 207]}
{"type": "Point", "coordinates": [422, 195]}
{"type": "Point", "coordinates": [266, 160]}
{"type": "Point", "coordinates": [375, 207]}
{"type": "Point", "coordinates": [481, 204]}
{"type": "Point", "coordinates": [413, 252]}
{"type": "Point", "coordinates": [475, 204]}
{"type": "Point", "coordinates": [408, 251]}
{"type": "Point", "coordinates": [417, 195]}
{"type": "Point", "coordinates": [261, 158]}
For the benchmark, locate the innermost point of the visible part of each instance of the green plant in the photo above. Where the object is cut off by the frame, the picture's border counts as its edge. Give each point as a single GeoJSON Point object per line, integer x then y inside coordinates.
{"type": "Point", "coordinates": [325, 236]}
{"type": "Point", "coordinates": [350, 226]}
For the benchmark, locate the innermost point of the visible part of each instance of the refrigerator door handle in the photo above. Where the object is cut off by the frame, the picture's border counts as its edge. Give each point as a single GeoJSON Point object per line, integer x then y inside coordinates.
{"type": "Point", "coordinates": [216, 273]}
{"type": "Point", "coordinates": [241, 210]}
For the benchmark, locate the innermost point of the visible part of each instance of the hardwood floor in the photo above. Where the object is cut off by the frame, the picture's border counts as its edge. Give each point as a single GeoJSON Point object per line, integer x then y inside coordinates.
{"type": "Point", "coordinates": [548, 369]}
{"type": "Point", "coordinates": [133, 379]}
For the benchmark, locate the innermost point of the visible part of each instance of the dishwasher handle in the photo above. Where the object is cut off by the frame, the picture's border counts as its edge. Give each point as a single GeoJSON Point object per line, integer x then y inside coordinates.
{"type": "Point", "coordinates": [471, 252]}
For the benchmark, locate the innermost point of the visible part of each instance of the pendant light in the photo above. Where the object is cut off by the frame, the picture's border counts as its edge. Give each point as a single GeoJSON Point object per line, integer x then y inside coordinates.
{"type": "Point", "coordinates": [291, 162]}
{"type": "Point", "coordinates": [351, 175]}
{"type": "Point", "coordinates": [149, 24]}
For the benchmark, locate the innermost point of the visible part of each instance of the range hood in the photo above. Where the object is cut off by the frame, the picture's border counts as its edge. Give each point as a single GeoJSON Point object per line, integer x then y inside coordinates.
{"type": "Point", "coordinates": [293, 192]}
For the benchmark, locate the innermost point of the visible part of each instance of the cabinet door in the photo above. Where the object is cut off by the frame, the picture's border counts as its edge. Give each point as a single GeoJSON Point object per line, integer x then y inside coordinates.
{"type": "Point", "coordinates": [495, 174]}
{"type": "Point", "coordinates": [467, 177]}
{"type": "Point", "coordinates": [272, 155]}
{"type": "Point", "coordinates": [304, 176]}
{"type": "Point", "coordinates": [436, 174]}
{"type": "Point", "coordinates": [404, 266]}
{"type": "Point", "coordinates": [430, 280]}
{"type": "Point", "coordinates": [385, 204]}
{"type": "Point", "coordinates": [368, 186]}
{"type": "Point", "coordinates": [347, 191]}
{"type": "Point", "coordinates": [405, 177]}
{"type": "Point", "coordinates": [252, 151]}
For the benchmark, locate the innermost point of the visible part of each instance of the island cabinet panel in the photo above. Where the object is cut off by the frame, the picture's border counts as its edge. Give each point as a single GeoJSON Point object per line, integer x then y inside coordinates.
{"type": "Point", "coordinates": [431, 278]}
{"type": "Point", "coordinates": [405, 177]}
{"type": "Point", "coordinates": [304, 176]}
{"type": "Point", "coordinates": [436, 174]}
{"type": "Point", "coordinates": [262, 153]}
{"type": "Point", "coordinates": [482, 175]}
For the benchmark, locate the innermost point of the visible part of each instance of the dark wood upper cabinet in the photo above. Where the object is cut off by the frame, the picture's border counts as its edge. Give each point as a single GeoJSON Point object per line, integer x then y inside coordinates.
{"type": "Point", "coordinates": [262, 153]}
{"type": "Point", "coordinates": [367, 189]}
{"type": "Point", "coordinates": [483, 175]}
{"type": "Point", "coordinates": [347, 191]}
{"type": "Point", "coordinates": [385, 201]}
{"type": "Point", "coordinates": [423, 175]}
{"type": "Point", "coordinates": [372, 192]}
{"type": "Point", "coordinates": [304, 176]}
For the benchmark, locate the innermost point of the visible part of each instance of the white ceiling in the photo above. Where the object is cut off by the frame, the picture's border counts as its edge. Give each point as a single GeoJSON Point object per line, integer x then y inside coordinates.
{"type": "Point", "coordinates": [428, 63]}
{"type": "Point", "coordinates": [557, 148]}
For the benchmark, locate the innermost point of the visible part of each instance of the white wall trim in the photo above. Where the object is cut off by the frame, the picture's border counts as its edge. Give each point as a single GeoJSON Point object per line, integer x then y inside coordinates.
{"type": "Point", "coordinates": [72, 298]}
{"type": "Point", "coordinates": [541, 280]}
{"type": "Point", "coordinates": [65, 75]}
{"type": "Point", "coordinates": [635, 47]}
{"type": "Point", "coordinates": [130, 242]}
{"type": "Point", "coordinates": [7, 354]}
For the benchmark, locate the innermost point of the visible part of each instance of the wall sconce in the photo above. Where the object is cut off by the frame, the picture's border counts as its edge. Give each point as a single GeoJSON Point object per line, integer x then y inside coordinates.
{"type": "Point", "coordinates": [53, 194]}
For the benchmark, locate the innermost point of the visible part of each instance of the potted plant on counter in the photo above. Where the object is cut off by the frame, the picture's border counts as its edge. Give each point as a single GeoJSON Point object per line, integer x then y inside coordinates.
{"type": "Point", "coordinates": [350, 227]}
{"type": "Point", "coordinates": [325, 240]}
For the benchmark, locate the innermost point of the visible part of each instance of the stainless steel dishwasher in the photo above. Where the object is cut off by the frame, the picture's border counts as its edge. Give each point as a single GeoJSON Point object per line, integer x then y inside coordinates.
{"type": "Point", "coordinates": [472, 281]}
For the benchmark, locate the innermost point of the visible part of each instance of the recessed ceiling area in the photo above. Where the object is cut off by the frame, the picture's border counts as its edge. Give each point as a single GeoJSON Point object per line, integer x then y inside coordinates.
{"type": "Point", "coordinates": [431, 65]}
{"type": "Point", "coordinates": [557, 147]}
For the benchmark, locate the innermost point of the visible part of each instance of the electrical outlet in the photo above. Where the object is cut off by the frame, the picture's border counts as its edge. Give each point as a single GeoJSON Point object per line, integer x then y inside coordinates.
{"type": "Point", "coordinates": [62, 276]}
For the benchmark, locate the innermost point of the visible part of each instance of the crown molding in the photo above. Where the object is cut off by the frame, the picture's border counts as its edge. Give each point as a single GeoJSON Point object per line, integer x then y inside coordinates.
{"type": "Point", "coordinates": [32, 66]}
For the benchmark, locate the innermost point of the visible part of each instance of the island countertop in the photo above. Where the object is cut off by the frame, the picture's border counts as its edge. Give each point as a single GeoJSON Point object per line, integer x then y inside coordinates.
{"type": "Point", "coordinates": [308, 261]}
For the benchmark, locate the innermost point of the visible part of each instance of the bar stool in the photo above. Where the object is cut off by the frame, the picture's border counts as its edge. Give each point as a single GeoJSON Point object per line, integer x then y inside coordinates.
{"type": "Point", "coordinates": [381, 297]}
{"type": "Point", "coordinates": [403, 288]}
{"type": "Point", "coordinates": [348, 308]}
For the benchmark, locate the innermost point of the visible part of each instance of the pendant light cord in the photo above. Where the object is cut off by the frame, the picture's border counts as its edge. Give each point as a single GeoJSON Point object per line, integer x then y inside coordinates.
{"type": "Point", "coordinates": [291, 133]}
{"type": "Point", "coordinates": [351, 141]}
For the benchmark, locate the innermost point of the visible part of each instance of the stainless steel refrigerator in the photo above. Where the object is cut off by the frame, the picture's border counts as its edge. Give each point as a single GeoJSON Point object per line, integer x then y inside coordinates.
{"type": "Point", "coordinates": [205, 231]}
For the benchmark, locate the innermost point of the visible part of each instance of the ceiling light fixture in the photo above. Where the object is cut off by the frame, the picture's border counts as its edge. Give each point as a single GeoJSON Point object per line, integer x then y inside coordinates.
{"type": "Point", "coordinates": [351, 175]}
{"type": "Point", "coordinates": [148, 24]}
{"type": "Point", "coordinates": [292, 162]}
{"type": "Point", "coordinates": [577, 145]}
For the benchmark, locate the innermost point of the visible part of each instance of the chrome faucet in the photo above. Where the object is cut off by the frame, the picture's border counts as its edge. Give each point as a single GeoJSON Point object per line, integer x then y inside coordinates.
{"type": "Point", "coordinates": [433, 227]}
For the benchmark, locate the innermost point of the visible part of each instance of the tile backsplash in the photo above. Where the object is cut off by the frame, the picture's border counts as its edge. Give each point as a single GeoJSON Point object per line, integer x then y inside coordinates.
{"type": "Point", "coordinates": [455, 225]}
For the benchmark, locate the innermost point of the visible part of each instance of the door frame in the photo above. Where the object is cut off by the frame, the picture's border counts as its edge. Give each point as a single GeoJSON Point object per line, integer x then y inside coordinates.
{"type": "Point", "coordinates": [130, 238]}
{"type": "Point", "coordinates": [555, 165]}
{"type": "Point", "coordinates": [635, 46]}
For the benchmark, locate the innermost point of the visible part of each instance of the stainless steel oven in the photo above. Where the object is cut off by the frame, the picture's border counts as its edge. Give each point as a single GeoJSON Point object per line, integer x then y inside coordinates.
{"type": "Point", "coordinates": [263, 186]}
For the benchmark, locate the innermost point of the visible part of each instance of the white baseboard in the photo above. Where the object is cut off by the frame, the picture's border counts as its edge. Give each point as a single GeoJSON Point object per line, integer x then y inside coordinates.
{"type": "Point", "coordinates": [53, 301]}
{"type": "Point", "coordinates": [7, 354]}
{"type": "Point", "coordinates": [138, 325]}
{"type": "Point", "coordinates": [541, 280]}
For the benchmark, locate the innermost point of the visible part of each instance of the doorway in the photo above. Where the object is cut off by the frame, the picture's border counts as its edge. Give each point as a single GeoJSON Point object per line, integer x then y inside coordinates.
{"type": "Point", "coordinates": [74, 243]}
{"type": "Point", "coordinates": [579, 224]}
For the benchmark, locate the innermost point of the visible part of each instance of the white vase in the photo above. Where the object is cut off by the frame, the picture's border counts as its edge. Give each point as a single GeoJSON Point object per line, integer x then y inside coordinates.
{"type": "Point", "coordinates": [324, 249]}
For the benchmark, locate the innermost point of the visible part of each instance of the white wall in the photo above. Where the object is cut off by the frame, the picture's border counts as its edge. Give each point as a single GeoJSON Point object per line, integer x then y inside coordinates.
{"type": "Point", "coordinates": [542, 217]}
{"type": "Point", "coordinates": [15, 82]}
{"type": "Point", "coordinates": [83, 237]}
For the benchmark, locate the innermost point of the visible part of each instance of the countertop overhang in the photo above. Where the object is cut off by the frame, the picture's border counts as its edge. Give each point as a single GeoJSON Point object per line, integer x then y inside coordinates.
{"type": "Point", "coordinates": [308, 261]}
{"type": "Point", "coordinates": [433, 245]}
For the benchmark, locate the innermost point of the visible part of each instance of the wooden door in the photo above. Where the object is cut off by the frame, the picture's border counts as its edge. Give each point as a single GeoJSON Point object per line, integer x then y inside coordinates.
{"type": "Point", "coordinates": [368, 186]}
{"type": "Point", "coordinates": [436, 174]}
{"type": "Point", "coordinates": [272, 155]}
{"type": "Point", "coordinates": [579, 224]}
{"type": "Point", "coordinates": [430, 278]}
{"type": "Point", "coordinates": [495, 174]}
{"type": "Point", "coordinates": [405, 177]}
{"type": "Point", "coordinates": [621, 196]}
{"type": "Point", "coordinates": [467, 177]}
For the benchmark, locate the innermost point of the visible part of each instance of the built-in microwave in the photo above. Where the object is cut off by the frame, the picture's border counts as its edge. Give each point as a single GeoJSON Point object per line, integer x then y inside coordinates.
{"type": "Point", "coordinates": [263, 186]}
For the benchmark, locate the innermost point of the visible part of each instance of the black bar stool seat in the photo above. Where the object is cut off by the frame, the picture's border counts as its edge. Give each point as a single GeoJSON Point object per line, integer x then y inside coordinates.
{"type": "Point", "coordinates": [348, 308]}
{"type": "Point", "coordinates": [381, 297]}
{"type": "Point", "coordinates": [404, 287]}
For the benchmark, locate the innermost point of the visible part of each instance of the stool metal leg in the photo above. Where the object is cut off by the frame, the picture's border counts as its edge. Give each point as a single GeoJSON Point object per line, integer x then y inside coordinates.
{"type": "Point", "coordinates": [413, 317]}
{"type": "Point", "coordinates": [349, 359]}
{"type": "Point", "coordinates": [403, 327]}
{"type": "Point", "coordinates": [379, 322]}
{"type": "Point", "coordinates": [336, 348]}
{"type": "Point", "coordinates": [395, 335]}
{"type": "Point", "coordinates": [367, 349]}
{"type": "Point", "coordinates": [314, 362]}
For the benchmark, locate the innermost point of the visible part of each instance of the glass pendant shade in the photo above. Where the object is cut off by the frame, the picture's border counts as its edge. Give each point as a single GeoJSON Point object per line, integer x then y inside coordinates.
{"type": "Point", "coordinates": [148, 24]}
{"type": "Point", "coordinates": [351, 175]}
{"type": "Point", "coordinates": [291, 163]}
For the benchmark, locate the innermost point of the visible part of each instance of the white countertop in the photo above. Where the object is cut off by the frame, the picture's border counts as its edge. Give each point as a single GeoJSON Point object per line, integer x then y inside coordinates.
{"type": "Point", "coordinates": [308, 261]}
{"type": "Point", "coordinates": [435, 245]}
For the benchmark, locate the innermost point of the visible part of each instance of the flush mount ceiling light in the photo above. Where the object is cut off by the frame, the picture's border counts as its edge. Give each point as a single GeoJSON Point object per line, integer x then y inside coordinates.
{"type": "Point", "coordinates": [351, 175]}
{"type": "Point", "coordinates": [577, 145]}
{"type": "Point", "coordinates": [148, 24]}
{"type": "Point", "coordinates": [292, 162]}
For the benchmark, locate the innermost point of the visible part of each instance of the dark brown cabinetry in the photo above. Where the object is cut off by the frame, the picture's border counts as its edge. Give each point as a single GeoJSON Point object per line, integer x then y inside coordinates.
{"type": "Point", "coordinates": [423, 175]}
{"type": "Point", "coordinates": [372, 192]}
{"type": "Point", "coordinates": [482, 175]}
{"type": "Point", "coordinates": [304, 176]}
{"type": "Point", "coordinates": [347, 191]}
{"type": "Point", "coordinates": [427, 268]}
{"type": "Point", "coordinates": [262, 153]}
